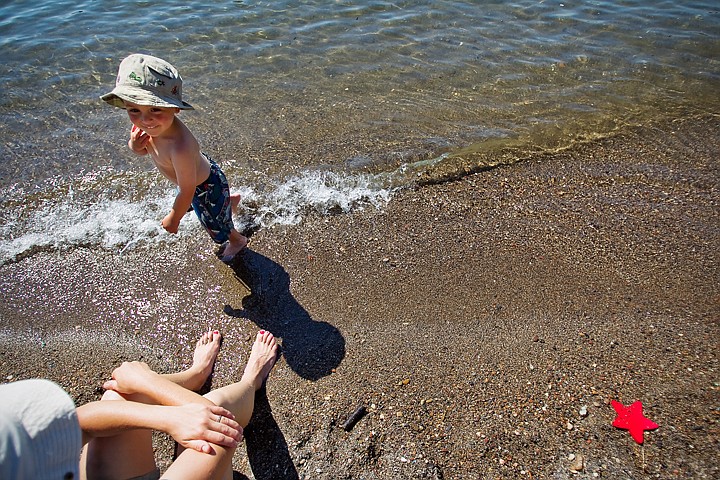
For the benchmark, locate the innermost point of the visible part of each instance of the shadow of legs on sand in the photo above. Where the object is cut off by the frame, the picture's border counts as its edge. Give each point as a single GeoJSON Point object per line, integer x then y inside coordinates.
{"type": "Point", "coordinates": [267, 449]}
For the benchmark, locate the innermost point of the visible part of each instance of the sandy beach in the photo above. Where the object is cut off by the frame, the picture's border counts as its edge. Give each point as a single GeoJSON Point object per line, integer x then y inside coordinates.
{"type": "Point", "coordinates": [485, 324]}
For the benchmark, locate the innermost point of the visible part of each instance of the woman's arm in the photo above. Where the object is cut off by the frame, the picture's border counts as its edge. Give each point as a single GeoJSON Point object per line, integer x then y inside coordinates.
{"type": "Point", "coordinates": [192, 425]}
{"type": "Point", "coordinates": [132, 378]}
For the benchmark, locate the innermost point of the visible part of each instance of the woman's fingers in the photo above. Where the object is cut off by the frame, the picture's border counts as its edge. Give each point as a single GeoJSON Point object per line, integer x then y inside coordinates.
{"type": "Point", "coordinates": [222, 411]}
{"type": "Point", "coordinates": [224, 440]}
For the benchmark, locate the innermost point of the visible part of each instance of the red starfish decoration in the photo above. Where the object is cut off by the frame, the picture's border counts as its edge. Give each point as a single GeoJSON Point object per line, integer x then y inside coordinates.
{"type": "Point", "coordinates": [631, 418]}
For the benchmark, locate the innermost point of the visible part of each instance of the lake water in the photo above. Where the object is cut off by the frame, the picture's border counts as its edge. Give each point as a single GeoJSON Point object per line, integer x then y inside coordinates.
{"type": "Point", "coordinates": [323, 107]}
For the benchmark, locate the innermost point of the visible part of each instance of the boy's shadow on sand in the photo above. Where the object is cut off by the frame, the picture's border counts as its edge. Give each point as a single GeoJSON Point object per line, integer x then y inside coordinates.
{"type": "Point", "coordinates": [311, 349]}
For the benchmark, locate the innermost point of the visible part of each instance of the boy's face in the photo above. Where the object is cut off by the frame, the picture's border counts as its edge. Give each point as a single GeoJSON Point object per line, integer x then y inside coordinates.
{"type": "Point", "coordinates": [152, 120]}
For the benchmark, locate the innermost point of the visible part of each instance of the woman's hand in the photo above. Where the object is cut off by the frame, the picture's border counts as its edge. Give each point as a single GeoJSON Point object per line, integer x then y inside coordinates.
{"type": "Point", "coordinates": [195, 426]}
{"type": "Point", "coordinates": [130, 377]}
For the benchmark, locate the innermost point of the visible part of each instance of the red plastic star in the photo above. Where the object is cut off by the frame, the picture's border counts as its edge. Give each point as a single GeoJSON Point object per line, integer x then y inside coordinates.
{"type": "Point", "coordinates": [631, 418]}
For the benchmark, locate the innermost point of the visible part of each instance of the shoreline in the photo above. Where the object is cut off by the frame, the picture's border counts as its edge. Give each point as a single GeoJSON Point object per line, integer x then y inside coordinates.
{"type": "Point", "coordinates": [473, 319]}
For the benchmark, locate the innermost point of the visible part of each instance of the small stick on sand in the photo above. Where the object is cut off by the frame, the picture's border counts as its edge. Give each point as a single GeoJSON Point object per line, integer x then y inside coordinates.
{"type": "Point", "coordinates": [354, 418]}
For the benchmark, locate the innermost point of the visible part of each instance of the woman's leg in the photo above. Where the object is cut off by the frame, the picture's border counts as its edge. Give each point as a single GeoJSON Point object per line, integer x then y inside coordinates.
{"type": "Point", "coordinates": [239, 398]}
{"type": "Point", "coordinates": [130, 454]}
{"type": "Point", "coordinates": [126, 455]}
{"type": "Point", "coordinates": [206, 351]}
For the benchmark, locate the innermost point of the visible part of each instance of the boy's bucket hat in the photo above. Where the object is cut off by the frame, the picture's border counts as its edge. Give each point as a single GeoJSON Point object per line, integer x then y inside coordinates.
{"type": "Point", "coordinates": [147, 80]}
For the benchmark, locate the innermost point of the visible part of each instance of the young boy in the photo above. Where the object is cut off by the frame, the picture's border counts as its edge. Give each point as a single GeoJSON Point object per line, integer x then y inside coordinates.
{"type": "Point", "coordinates": [150, 90]}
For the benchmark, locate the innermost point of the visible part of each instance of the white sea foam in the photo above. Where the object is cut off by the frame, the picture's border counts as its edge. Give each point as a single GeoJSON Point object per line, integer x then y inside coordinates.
{"type": "Point", "coordinates": [62, 224]}
{"type": "Point", "coordinates": [125, 224]}
{"type": "Point", "coordinates": [320, 192]}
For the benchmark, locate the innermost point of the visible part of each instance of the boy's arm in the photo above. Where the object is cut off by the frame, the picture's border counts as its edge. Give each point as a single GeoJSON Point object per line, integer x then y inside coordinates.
{"type": "Point", "coordinates": [185, 166]}
{"type": "Point", "coordinates": [192, 425]}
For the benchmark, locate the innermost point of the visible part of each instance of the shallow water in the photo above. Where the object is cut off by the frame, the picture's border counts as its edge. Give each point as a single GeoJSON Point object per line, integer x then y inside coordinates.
{"type": "Point", "coordinates": [323, 106]}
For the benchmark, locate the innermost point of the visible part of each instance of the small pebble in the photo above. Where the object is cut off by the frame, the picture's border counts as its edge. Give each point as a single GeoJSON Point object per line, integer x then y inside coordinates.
{"type": "Point", "coordinates": [578, 464]}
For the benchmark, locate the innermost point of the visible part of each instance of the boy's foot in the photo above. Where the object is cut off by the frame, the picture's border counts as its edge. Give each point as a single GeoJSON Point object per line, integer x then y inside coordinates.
{"type": "Point", "coordinates": [204, 356]}
{"type": "Point", "coordinates": [236, 244]}
{"type": "Point", "coordinates": [262, 358]}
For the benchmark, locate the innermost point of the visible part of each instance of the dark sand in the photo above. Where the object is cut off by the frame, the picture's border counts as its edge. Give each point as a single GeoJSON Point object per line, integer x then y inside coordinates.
{"type": "Point", "coordinates": [473, 320]}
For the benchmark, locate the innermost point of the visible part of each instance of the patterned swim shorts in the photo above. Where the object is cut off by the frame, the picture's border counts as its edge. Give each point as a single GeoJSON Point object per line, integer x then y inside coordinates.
{"type": "Point", "coordinates": [212, 204]}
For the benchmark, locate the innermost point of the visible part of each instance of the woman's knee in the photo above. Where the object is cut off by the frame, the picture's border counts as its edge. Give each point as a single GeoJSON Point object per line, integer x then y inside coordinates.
{"type": "Point", "coordinates": [111, 395]}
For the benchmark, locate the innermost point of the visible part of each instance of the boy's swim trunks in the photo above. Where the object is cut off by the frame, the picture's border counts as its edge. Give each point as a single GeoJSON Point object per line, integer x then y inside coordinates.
{"type": "Point", "coordinates": [212, 204]}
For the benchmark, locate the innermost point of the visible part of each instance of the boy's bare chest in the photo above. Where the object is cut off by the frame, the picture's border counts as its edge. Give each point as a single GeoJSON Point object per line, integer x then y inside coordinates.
{"type": "Point", "coordinates": [163, 162]}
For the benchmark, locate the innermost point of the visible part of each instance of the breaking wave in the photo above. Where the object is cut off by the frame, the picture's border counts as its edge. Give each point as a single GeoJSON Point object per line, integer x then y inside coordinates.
{"type": "Point", "coordinates": [65, 220]}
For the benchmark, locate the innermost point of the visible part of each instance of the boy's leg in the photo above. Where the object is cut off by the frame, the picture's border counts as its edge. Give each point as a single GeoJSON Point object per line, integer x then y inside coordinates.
{"type": "Point", "coordinates": [214, 206]}
{"type": "Point", "coordinates": [239, 398]}
{"type": "Point", "coordinates": [234, 202]}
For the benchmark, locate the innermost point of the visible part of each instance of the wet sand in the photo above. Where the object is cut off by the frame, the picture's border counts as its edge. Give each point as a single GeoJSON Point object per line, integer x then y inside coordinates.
{"type": "Point", "coordinates": [474, 320]}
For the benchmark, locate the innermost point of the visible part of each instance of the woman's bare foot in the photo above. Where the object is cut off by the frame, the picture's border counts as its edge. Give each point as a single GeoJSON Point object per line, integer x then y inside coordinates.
{"type": "Point", "coordinates": [262, 358]}
{"type": "Point", "coordinates": [204, 356]}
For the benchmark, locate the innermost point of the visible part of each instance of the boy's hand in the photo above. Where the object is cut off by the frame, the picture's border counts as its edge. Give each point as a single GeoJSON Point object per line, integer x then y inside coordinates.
{"type": "Point", "coordinates": [138, 141]}
{"type": "Point", "coordinates": [170, 224]}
